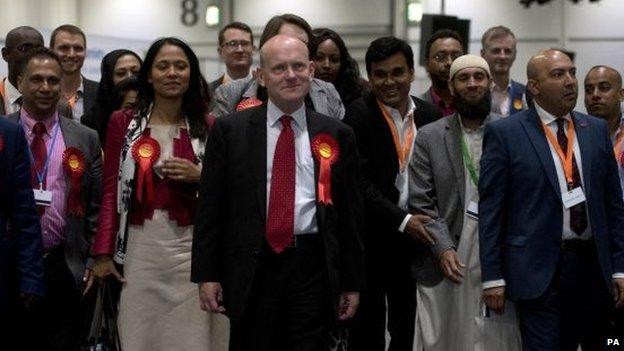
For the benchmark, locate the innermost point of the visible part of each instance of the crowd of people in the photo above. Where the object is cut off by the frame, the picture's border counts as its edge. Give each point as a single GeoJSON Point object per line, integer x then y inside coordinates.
{"type": "Point", "coordinates": [299, 206]}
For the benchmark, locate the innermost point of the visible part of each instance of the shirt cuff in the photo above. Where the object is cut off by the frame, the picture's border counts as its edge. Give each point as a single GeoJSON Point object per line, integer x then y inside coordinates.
{"type": "Point", "coordinates": [404, 223]}
{"type": "Point", "coordinates": [493, 284]}
{"type": "Point", "coordinates": [618, 275]}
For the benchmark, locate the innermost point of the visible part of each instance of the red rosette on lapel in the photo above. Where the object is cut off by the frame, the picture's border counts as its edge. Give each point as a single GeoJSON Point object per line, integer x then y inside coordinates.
{"type": "Point", "coordinates": [74, 164]}
{"type": "Point", "coordinates": [2, 142]}
{"type": "Point", "coordinates": [326, 152]}
{"type": "Point", "coordinates": [517, 104]}
{"type": "Point", "coordinates": [145, 152]}
{"type": "Point", "coordinates": [248, 103]}
{"type": "Point", "coordinates": [621, 159]}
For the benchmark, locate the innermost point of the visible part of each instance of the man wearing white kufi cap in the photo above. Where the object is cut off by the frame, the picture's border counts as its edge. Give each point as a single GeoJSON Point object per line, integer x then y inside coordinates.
{"type": "Point", "coordinates": [444, 176]}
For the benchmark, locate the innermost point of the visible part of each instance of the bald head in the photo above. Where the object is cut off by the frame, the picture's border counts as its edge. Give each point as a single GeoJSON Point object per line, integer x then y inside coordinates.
{"type": "Point", "coordinates": [604, 94]}
{"type": "Point", "coordinates": [19, 41]}
{"type": "Point", "coordinates": [552, 82]}
{"type": "Point", "coordinates": [285, 70]}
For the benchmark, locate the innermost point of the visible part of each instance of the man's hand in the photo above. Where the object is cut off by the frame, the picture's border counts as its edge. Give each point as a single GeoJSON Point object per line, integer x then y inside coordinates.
{"type": "Point", "coordinates": [416, 229]}
{"type": "Point", "coordinates": [451, 266]}
{"type": "Point", "coordinates": [211, 297]}
{"type": "Point", "coordinates": [104, 266]}
{"type": "Point", "coordinates": [347, 305]}
{"type": "Point", "coordinates": [618, 292]}
{"type": "Point", "coordinates": [494, 299]}
{"type": "Point", "coordinates": [88, 279]}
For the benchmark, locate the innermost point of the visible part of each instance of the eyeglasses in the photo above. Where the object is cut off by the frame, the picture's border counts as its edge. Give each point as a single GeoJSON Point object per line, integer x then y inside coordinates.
{"type": "Point", "coordinates": [444, 56]}
{"type": "Point", "coordinates": [233, 44]}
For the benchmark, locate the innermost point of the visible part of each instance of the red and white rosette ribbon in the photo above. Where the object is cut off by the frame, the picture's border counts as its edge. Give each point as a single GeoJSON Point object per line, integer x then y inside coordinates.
{"type": "Point", "coordinates": [145, 152]}
{"type": "Point", "coordinates": [326, 151]}
{"type": "Point", "coordinates": [74, 164]}
{"type": "Point", "coordinates": [2, 143]}
{"type": "Point", "coordinates": [248, 103]}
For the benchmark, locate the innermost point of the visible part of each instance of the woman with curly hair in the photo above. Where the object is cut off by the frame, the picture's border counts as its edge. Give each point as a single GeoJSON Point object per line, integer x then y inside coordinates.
{"type": "Point", "coordinates": [150, 182]}
{"type": "Point", "coordinates": [335, 65]}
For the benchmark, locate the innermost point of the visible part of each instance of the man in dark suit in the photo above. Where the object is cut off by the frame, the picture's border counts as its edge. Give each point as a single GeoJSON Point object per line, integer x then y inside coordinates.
{"type": "Point", "coordinates": [498, 48]}
{"type": "Point", "coordinates": [66, 161]}
{"type": "Point", "coordinates": [551, 216]}
{"type": "Point", "coordinates": [275, 245]}
{"type": "Point", "coordinates": [18, 41]}
{"type": "Point", "coordinates": [236, 49]}
{"type": "Point", "coordinates": [21, 274]}
{"type": "Point", "coordinates": [385, 123]}
{"type": "Point", "coordinates": [77, 92]}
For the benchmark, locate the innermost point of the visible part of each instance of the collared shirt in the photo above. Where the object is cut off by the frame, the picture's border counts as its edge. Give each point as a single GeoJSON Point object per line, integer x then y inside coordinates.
{"type": "Point", "coordinates": [77, 107]}
{"type": "Point", "coordinates": [226, 77]}
{"type": "Point", "coordinates": [444, 108]}
{"type": "Point", "coordinates": [53, 219]}
{"type": "Point", "coordinates": [11, 95]}
{"type": "Point", "coordinates": [550, 121]}
{"type": "Point", "coordinates": [305, 187]}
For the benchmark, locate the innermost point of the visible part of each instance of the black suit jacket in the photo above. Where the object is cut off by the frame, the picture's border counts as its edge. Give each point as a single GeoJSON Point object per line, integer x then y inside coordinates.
{"type": "Point", "coordinates": [380, 166]}
{"type": "Point", "coordinates": [90, 95]}
{"type": "Point", "coordinates": [230, 225]}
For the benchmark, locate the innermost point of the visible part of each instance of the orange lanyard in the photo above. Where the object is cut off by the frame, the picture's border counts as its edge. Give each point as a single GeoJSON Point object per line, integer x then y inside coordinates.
{"type": "Point", "coordinates": [566, 159]}
{"type": "Point", "coordinates": [404, 149]}
{"type": "Point", "coordinates": [618, 144]}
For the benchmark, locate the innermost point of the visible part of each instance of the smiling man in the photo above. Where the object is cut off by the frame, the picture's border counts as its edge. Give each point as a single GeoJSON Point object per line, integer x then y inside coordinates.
{"type": "Point", "coordinates": [499, 50]}
{"type": "Point", "coordinates": [283, 260]}
{"type": "Point", "coordinates": [77, 92]}
{"type": "Point", "coordinates": [236, 49]}
{"type": "Point", "coordinates": [385, 122]}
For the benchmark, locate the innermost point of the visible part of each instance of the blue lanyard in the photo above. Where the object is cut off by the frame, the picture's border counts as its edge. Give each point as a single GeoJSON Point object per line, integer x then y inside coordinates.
{"type": "Point", "coordinates": [41, 176]}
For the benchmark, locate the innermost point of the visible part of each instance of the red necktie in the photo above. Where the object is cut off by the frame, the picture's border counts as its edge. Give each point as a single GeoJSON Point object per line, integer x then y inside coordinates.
{"type": "Point", "coordinates": [281, 215]}
{"type": "Point", "coordinates": [578, 215]}
{"type": "Point", "coordinates": [38, 150]}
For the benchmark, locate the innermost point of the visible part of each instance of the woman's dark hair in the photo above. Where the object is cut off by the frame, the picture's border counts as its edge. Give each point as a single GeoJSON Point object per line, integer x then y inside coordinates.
{"type": "Point", "coordinates": [195, 101]}
{"type": "Point", "coordinates": [349, 84]}
{"type": "Point", "coordinates": [107, 100]}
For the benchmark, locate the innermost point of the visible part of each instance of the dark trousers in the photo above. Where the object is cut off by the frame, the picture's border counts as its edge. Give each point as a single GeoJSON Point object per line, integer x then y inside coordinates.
{"type": "Point", "coordinates": [289, 306]}
{"type": "Point", "coordinates": [576, 308]}
{"type": "Point", "coordinates": [388, 280]}
{"type": "Point", "coordinates": [57, 319]}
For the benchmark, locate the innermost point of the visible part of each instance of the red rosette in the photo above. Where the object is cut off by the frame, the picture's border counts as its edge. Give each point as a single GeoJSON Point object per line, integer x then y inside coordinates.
{"type": "Point", "coordinates": [621, 159]}
{"type": "Point", "coordinates": [75, 165]}
{"type": "Point", "coordinates": [326, 152]}
{"type": "Point", "coordinates": [2, 142]}
{"type": "Point", "coordinates": [145, 152]}
{"type": "Point", "coordinates": [248, 103]}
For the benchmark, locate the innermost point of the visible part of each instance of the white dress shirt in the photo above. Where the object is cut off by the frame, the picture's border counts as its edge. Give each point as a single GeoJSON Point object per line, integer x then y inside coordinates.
{"type": "Point", "coordinates": [305, 186]}
{"type": "Point", "coordinates": [501, 99]}
{"type": "Point", "coordinates": [78, 108]}
{"type": "Point", "coordinates": [11, 95]}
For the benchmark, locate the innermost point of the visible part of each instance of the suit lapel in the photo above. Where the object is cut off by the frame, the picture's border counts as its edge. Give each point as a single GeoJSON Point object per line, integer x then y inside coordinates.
{"type": "Point", "coordinates": [257, 135]}
{"type": "Point", "coordinates": [453, 149]}
{"type": "Point", "coordinates": [381, 130]}
{"type": "Point", "coordinates": [532, 126]}
{"type": "Point", "coordinates": [313, 130]}
{"type": "Point", "coordinates": [583, 137]}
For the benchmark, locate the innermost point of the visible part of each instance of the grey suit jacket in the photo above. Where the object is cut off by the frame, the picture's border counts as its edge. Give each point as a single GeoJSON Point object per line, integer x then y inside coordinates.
{"type": "Point", "coordinates": [324, 97]}
{"type": "Point", "coordinates": [437, 188]}
{"type": "Point", "coordinates": [79, 230]}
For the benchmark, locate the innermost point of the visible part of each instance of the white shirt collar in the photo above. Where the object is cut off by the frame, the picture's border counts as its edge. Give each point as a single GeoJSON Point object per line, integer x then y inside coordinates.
{"type": "Point", "coordinates": [494, 87]}
{"type": "Point", "coordinates": [411, 107]}
{"type": "Point", "coordinates": [12, 93]}
{"type": "Point", "coordinates": [274, 114]}
{"type": "Point", "coordinates": [546, 117]}
{"type": "Point", "coordinates": [227, 78]}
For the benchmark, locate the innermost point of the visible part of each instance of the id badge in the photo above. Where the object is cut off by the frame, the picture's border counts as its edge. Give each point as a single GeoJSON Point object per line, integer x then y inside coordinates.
{"type": "Point", "coordinates": [473, 210]}
{"type": "Point", "coordinates": [573, 197]}
{"type": "Point", "coordinates": [42, 197]}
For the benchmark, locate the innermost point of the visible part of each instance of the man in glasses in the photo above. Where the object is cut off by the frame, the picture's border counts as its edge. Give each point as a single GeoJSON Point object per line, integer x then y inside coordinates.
{"type": "Point", "coordinates": [18, 41]}
{"type": "Point", "coordinates": [443, 47]}
{"type": "Point", "coordinates": [236, 50]}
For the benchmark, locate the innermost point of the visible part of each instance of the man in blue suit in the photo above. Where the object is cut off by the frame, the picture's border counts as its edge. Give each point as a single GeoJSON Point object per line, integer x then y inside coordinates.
{"type": "Point", "coordinates": [21, 275]}
{"type": "Point", "coordinates": [551, 215]}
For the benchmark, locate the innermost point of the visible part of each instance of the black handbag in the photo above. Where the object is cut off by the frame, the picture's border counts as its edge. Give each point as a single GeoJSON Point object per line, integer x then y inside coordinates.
{"type": "Point", "coordinates": [103, 334]}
